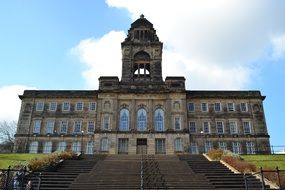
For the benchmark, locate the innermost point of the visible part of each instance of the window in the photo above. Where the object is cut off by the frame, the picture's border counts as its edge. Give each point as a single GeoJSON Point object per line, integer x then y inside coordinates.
{"type": "Point", "coordinates": [233, 127]}
{"type": "Point", "coordinates": [194, 148]}
{"type": "Point", "coordinates": [47, 147]}
{"type": "Point", "coordinates": [236, 148]}
{"type": "Point", "coordinates": [52, 106]}
{"type": "Point", "coordinates": [124, 120]}
{"type": "Point", "coordinates": [243, 107]}
{"type": "Point", "coordinates": [177, 123]}
{"type": "Point", "coordinates": [208, 146]}
{"type": "Point", "coordinates": [77, 127]}
{"type": "Point", "coordinates": [104, 145]}
{"type": "Point", "coordinates": [231, 107]}
{"type": "Point", "coordinates": [79, 106]}
{"type": "Point", "coordinates": [178, 145]}
{"type": "Point", "coordinates": [192, 127]}
{"type": "Point", "coordinates": [106, 122]}
{"type": "Point", "coordinates": [76, 146]}
{"type": "Point", "coordinates": [250, 149]}
{"type": "Point", "coordinates": [204, 107]}
{"type": "Point", "coordinates": [61, 146]}
{"type": "Point", "coordinates": [159, 120]}
{"type": "Point", "coordinates": [89, 147]}
{"type": "Point", "coordinates": [246, 127]}
{"type": "Point", "coordinates": [50, 126]}
{"type": "Point", "coordinates": [141, 120]}
{"type": "Point", "coordinates": [160, 146]}
{"type": "Point", "coordinates": [92, 106]}
{"type": "Point", "coordinates": [123, 146]}
{"type": "Point", "coordinates": [65, 106]}
{"type": "Point", "coordinates": [37, 126]}
{"type": "Point", "coordinates": [217, 107]}
{"type": "Point", "coordinates": [39, 106]}
{"type": "Point", "coordinates": [191, 107]}
{"type": "Point", "coordinates": [222, 145]}
{"type": "Point", "coordinates": [63, 127]}
{"type": "Point", "coordinates": [34, 147]}
{"type": "Point", "coordinates": [220, 127]}
{"type": "Point", "coordinates": [206, 127]}
{"type": "Point", "coordinates": [91, 127]}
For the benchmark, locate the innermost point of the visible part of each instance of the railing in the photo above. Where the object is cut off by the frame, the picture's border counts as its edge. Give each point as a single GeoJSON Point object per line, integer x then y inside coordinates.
{"type": "Point", "coordinates": [141, 186]}
{"type": "Point", "coordinates": [261, 174]}
{"type": "Point", "coordinates": [17, 179]}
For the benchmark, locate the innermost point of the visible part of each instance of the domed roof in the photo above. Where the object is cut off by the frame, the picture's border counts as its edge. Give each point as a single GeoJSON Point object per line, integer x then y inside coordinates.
{"type": "Point", "coordinates": [141, 22]}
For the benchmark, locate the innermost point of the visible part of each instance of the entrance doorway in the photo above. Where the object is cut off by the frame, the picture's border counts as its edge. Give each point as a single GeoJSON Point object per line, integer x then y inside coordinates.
{"type": "Point", "coordinates": [141, 146]}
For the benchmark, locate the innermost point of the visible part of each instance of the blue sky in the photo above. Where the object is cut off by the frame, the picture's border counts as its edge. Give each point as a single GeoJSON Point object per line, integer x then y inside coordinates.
{"type": "Point", "coordinates": [68, 44]}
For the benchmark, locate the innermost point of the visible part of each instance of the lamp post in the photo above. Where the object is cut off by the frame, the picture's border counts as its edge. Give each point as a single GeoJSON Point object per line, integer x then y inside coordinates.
{"type": "Point", "coordinates": [203, 143]}
{"type": "Point", "coordinates": [82, 132]}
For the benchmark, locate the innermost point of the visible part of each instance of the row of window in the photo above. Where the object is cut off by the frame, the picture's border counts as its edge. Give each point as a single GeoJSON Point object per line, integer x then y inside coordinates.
{"type": "Point", "coordinates": [52, 106]}
{"type": "Point", "coordinates": [236, 147]}
{"type": "Point", "coordinates": [220, 129]}
{"type": "Point", "coordinates": [217, 107]}
{"type": "Point", "coordinates": [123, 144]}
{"type": "Point", "coordinates": [77, 127]}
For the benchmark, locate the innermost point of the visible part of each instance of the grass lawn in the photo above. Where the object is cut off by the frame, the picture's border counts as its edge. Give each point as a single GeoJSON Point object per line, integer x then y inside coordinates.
{"type": "Point", "coordinates": [266, 161]}
{"type": "Point", "coordinates": [13, 159]}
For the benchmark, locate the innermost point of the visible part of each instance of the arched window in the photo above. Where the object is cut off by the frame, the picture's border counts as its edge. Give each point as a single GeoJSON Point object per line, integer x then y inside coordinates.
{"type": "Point", "coordinates": [141, 120]}
{"type": "Point", "coordinates": [34, 147]}
{"type": "Point", "coordinates": [76, 146]}
{"type": "Point", "coordinates": [124, 120]}
{"type": "Point", "coordinates": [178, 145]}
{"type": "Point", "coordinates": [104, 145]}
{"type": "Point", "coordinates": [159, 120]}
{"type": "Point", "coordinates": [141, 64]}
{"type": "Point", "coordinates": [47, 147]}
{"type": "Point", "coordinates": [89, 147]}
{"type": "Point", "coordinates": [61, 146]}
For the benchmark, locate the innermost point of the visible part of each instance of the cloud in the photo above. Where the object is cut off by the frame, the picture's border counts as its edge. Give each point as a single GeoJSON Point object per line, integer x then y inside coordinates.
{"type": "Point", "coordinates": [278, 43]}
{"type": "Point", "coordinates": [101, 56]}
{"type": "Point", "coordinates": [214, 44]}
{"type": "Point", "coordinates": [10, 103]}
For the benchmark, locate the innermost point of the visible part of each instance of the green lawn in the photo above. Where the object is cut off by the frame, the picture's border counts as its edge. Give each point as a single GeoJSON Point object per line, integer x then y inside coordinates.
{"type": "Point", "coordinates": [266, 161]}
{"type": "Point", "coordinates": [14, 159]}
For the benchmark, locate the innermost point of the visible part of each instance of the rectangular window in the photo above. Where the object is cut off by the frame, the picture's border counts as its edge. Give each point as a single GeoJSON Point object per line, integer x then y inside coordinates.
{"type": "Point", "coordinates": [217, 107]}
{"type": "Point", "coordinates": [92, 106]}
{"type": "Point", "coordinates": [160, 146]}
{"type": "Point", "coordinates": [63, 127]}
{"type": "Point", "coordinates": [250, 149]}
{"type": "Point", "coordinates": [50, 126]}
{"type": "Point", "coordinates": [61, 146]}
{"type": "Point", "coordinates": [191, 107]}
{"type": "Point", "coordinates": [47, 147]}
{"type": "Point", "coordinates": [123, 146]}
{"type": "Point", "coordinates": [178, 145]}
{"type": "Point", "coordinates": [192, 127]}
{"type": "Point", "coordinates": [77, 127]}
{"type": "Point", "coordinates": [204, 107]}
{"type": "Point", "coordinates": [177, 124]}
{"type": "Point", "coordinates": [79, 106]}
{"type": "Point", "coordinates": [52, 106]}
{"type": "Point", "coordinates": [76, 147]}
{"type": "Point", "coordinates": [247, 127]}
{"type": "Point", "coordinates": [65, 106]}
{"type": "Point", "coordinates": [208, 146]}
{"type": "Point", "coordinates": [206, 127]}
{"type": "Point", "coordinates": [243, 107]}
{"type": "Point", "coordinates": [220, 127]}
{"type": "Point", "coordinates": [90, 147]}
{"type": "Point", "coordinates": [194, 148]}
{"type": "Point", "coordinates": [91, 127]}
{"type": "Point", "coordinates": [34, 147]}
{"type": "Point", "coordinates": [37, 126]}
{"type": "Point", "coordinates": [222, 145]}
{"type": "Point", "coordinates": [106, 122]}
{"type": "Point", "coordinates": [233, 127]}
{"type": "Point", "coordinates": [236, 148]}
{"type": "Point", "coordinates": [231, 107]}
{"type": "Point", "coordinates": [40, 106]}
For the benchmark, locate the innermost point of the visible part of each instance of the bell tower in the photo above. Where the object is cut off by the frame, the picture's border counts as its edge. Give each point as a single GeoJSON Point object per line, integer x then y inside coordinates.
{"type": "Point", "coordinates": [141, 55]}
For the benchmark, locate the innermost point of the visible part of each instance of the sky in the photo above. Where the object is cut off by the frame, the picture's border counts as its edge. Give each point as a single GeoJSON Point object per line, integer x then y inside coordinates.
{"type": "Point", "coordinates": [215, 44]}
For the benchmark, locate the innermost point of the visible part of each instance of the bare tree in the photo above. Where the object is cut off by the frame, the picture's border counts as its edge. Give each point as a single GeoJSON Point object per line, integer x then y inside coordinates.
{"type": "Point", "coordinates": [7, 132]}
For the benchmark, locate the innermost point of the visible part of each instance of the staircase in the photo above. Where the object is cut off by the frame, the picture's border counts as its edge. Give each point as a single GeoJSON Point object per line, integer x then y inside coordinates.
{"type": "Point", "coordinates": [219, 175]}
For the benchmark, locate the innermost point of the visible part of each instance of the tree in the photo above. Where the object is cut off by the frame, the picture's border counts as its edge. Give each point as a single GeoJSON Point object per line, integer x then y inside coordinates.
{"type": "Point", "coordinates": [7, 132]}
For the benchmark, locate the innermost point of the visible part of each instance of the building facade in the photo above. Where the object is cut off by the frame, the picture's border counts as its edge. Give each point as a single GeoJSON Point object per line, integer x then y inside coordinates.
{"type": "Point", "coordinates": [141, 113]}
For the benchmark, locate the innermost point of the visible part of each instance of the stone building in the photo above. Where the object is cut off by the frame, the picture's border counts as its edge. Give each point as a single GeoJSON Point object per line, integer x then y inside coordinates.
{"type": "Point", "coordinates": [141, 113]}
